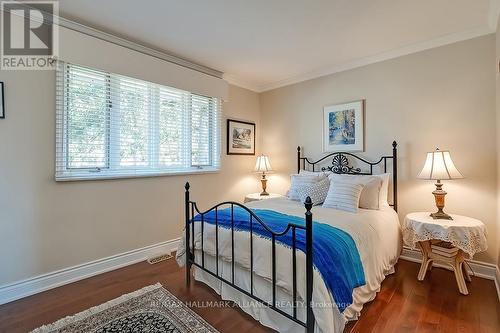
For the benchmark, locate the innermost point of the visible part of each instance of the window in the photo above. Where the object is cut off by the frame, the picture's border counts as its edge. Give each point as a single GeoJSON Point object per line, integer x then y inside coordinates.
{"type": "Point", "coordinates": [111, 126]}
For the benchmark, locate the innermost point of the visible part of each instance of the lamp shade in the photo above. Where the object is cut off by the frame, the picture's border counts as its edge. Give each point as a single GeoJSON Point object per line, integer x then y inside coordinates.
{"type": "Point", "coordinates": [439, 166]}
{"type": "Point", "coordinates": [263, 164]}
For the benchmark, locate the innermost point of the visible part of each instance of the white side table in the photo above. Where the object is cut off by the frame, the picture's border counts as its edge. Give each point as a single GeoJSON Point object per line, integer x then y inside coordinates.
{"type": "Point", "coordinates": [465, 233]}
{"type": "Point", "coordinates": [257, 197]}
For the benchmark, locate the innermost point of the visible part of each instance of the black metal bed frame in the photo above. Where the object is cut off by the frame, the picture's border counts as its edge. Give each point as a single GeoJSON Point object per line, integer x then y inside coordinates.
{"type": "Point", "coordinates": [340, 165]}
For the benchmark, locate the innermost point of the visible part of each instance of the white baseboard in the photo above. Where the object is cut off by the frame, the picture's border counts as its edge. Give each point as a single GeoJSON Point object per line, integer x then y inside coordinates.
{"type": "Point", "coordinates": [497, 282]}
{"type": "Point", "coordinates": [37, 284]}
{"type": "Point", "coordinates": [480, 269]}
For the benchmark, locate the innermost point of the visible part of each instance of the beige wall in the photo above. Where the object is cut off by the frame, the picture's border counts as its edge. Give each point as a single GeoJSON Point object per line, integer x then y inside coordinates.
{"type": "Point", "coordinates": [497, 90]}
{"type": "Point", "coordinates": [444, 97]}
{"type": "Point", "coordinates": [45, 226]}
{"type": "Point", "coordinates": [441, 97]}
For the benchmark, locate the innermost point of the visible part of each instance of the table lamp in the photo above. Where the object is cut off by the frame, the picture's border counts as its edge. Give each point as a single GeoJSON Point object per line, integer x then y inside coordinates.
{"type": "Point", "coordinates": [439, 166]}
{"type": "Point", "coordinates": [263, 166]}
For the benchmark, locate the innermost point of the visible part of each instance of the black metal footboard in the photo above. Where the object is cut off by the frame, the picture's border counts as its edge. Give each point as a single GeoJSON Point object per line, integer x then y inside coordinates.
{"type": "Point", "coordinates": [191, 209]}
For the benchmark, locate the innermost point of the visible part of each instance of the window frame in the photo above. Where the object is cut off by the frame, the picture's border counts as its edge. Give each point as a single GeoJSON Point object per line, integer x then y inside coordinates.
{"type": "Point", "coordinates": [154, 168]}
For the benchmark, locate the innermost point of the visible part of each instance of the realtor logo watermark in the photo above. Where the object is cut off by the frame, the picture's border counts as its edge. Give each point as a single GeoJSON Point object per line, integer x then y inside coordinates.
{"type": "Point", "coordinates": [29, 35]}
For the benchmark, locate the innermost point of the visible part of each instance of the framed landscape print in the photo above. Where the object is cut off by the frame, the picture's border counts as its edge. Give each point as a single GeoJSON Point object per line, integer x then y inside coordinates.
{"type": "Point", "coordinates": [2, 102]}
{"type": "Point", "coordinates": [343, 127]}
{"type": "Point", "coordinates": [240, 138]}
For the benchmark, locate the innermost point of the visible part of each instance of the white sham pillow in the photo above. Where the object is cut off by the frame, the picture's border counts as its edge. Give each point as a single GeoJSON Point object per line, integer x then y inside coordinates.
{"type": "Point", "coordinates": [299, 181]}
{"type": "Point", "coordinates": [370, 196]}
{"type": "Point", "coordinates": [384, 188]}
{"type": "Point", "coordinates": [344, 196]}
{"type": "Point", "coordinates": [317, 192]}
{"type": "Point", "coordinates": [314, 173]}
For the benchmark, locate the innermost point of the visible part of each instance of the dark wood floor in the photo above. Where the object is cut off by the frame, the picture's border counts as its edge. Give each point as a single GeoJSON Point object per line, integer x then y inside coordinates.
{"type": "Point", "coordinates": [403, 304]}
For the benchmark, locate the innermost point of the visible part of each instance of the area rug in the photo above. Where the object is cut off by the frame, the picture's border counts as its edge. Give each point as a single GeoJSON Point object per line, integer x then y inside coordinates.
{"type": "Point", "coordinates": [150, 309]}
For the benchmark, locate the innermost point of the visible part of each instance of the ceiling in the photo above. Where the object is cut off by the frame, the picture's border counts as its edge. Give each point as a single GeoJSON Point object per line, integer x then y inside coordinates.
{"type": "Point", "coordinates": [264, 44]}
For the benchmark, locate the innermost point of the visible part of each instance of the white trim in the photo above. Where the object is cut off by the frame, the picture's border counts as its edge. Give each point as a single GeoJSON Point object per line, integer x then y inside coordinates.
{"type": "Point", "coordinates": [37, 284]}
{"type": "Point", "coordinates": [233, 80]}
{"type": "Point", "coordinates": [481, 269]}
{"type": "Point", "coordinates": [490, 27]}
{"type": "Point", "coordinates": [497, 282]}
{"type": "Point", "coordinates": [493, 13]}
{"type": "Point", "coordinates": [396, 53]}
{"type": "Point", "coordinates": [78, 27]}
{"type": "Point", "coordinates": [137, 47]}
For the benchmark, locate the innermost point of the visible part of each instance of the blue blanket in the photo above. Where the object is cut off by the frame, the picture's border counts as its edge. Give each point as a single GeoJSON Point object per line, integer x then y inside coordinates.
{"type": "Point", "coordinates": [335, 254]}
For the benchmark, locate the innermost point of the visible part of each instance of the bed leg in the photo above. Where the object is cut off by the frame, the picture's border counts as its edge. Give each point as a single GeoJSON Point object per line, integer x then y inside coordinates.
{"type": "Point", "coordinates": [309, 266]}
{"type": "Point", "coordinates": [188, 252]}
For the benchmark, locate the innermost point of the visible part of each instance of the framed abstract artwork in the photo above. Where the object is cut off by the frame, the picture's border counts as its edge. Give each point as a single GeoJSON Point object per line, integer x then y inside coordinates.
{"type": "Point", "coordinates": [2, 101]}
{"type": "Point", "coordinates": [240, 137]}
{"type": "Point", "coordinates": [343, 127]}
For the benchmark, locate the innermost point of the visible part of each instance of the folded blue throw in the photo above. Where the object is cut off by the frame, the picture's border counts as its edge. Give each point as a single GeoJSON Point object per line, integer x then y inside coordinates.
{"type": "Point", "coordinates": [335, 254]}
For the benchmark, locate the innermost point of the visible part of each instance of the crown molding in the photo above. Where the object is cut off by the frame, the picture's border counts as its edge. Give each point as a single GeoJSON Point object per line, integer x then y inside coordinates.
{"type": "Point", "coordinates": [396, 53]}
{"type": "Point", "coordinates": [494, 12]}
{"type": "Point", "coordinates": [137, 47]}
{"type": "Point", "coordinates": [490, 27]}
{"type": "Point", "coordinates": [231, 79]}
{"type": "Point", "coordinates": [162, 55]}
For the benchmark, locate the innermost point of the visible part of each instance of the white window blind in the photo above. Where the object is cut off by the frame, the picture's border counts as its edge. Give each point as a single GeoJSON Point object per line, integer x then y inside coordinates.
{"type": "Point", "coordinates": [111, 126]}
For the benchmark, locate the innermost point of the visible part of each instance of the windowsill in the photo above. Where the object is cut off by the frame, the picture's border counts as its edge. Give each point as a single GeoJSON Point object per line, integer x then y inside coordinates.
{"type": "Point", "coordinates": [86, 177]}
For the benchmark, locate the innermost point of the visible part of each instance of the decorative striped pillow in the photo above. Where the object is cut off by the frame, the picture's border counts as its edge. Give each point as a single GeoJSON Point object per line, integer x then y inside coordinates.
{"type": "Point", "coordinates": [317, 192]}
{"type": "Point", "coordinates": [299, 181]}
{"type": "Point", "coordinates": [344, 196]}
{"type": "Point", "coordinates": [370, 196]}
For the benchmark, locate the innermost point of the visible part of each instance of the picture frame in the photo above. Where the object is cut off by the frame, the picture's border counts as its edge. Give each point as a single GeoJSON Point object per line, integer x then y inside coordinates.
{"type": "Point", "coordinates": [344, 126]}
{"type": "Point", "coordinates": [240, 137]}
{"type": "Point", "coordinates": [2, 101]}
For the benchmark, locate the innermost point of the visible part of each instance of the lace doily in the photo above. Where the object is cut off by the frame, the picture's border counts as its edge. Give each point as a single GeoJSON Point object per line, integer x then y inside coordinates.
{"type": "Point", "coordinates": [465, 233]}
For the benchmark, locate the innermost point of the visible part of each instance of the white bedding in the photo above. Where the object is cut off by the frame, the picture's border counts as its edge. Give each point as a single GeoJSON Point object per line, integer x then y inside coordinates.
{"type": "Point", "coordinates": [377, 236]}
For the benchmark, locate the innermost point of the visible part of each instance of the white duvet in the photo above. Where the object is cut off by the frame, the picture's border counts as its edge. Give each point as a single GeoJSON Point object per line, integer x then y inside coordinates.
{"type": "Point", "coordinates": [377, 236]}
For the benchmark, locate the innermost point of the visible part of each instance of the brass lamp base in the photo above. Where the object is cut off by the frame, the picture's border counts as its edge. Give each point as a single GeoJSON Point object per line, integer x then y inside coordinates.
{"type": "Point", "coordinates": [264, 185]}
{"type": "Point", "coordinates": [439, 195]}
{"type": "Point", "coordinates": [440, 215]}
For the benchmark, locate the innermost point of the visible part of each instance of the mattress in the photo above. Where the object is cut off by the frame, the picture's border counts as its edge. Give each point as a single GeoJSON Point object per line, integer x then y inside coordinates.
{"type": "Point", "coordinates": [377, 236]}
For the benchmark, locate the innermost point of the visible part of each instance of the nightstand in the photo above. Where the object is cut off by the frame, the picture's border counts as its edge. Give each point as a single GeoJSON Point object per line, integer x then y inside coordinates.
{"type": "Point", "coordinates": [448, 242]}
{"type": "Point", "coordinates": [257, 197]}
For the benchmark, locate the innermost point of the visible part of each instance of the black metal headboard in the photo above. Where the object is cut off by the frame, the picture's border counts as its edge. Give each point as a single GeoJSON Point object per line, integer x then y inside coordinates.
{"type": "Point", "coordinates": [341, 165]}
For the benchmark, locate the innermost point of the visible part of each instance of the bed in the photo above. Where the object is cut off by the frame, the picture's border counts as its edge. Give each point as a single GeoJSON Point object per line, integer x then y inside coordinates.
{"type": "Point", "coordinates": [282, 273]}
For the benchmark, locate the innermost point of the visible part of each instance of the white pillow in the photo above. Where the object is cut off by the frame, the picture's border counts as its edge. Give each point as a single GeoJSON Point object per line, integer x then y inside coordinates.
{"type": "Point", "coordinates": [370, 196]}
{"type": "Point", "coordinates": [299, 181]}
{"type": "Point", "coordinates": [384, 190]}
{"type": "Point", "coordinates": [317, 192]}
{"type": "Point", "coordinates": [344, 196]}
{"type": "Point", "coordinates": [314, 173]}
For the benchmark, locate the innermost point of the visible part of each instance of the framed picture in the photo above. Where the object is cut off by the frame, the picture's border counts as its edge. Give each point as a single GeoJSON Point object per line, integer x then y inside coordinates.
{"type": "Point", "coordinates": [240, 138]}
{"type": "Point", "coordinates": [2, 102]}
{"type": "Point", "coordinates": [343, 127]}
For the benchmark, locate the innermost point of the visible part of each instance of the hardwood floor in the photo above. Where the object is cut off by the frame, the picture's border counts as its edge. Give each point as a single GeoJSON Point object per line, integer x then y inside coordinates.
{"type": "Point", "coordinates": [403, 304]}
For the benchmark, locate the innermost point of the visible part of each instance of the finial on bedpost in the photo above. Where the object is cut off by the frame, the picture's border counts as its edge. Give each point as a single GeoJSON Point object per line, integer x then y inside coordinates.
{"type": "Point", "coordinates": [298, 159]}
{"type": "Point", "coordinates": [187, 186]}
{"type": "Point", "coordinates": [394, 144]}
{"type": "Point", "coordinates": [309, 266]}
{"type": "Point", "coordinates": [308, 203]}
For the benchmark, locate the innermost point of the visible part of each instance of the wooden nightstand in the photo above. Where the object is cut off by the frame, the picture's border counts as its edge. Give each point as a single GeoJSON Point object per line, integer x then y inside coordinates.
{"type": "Point", "coordinates": [464, 236]}
{"type": "Point", "coordinates": [257, 197]}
